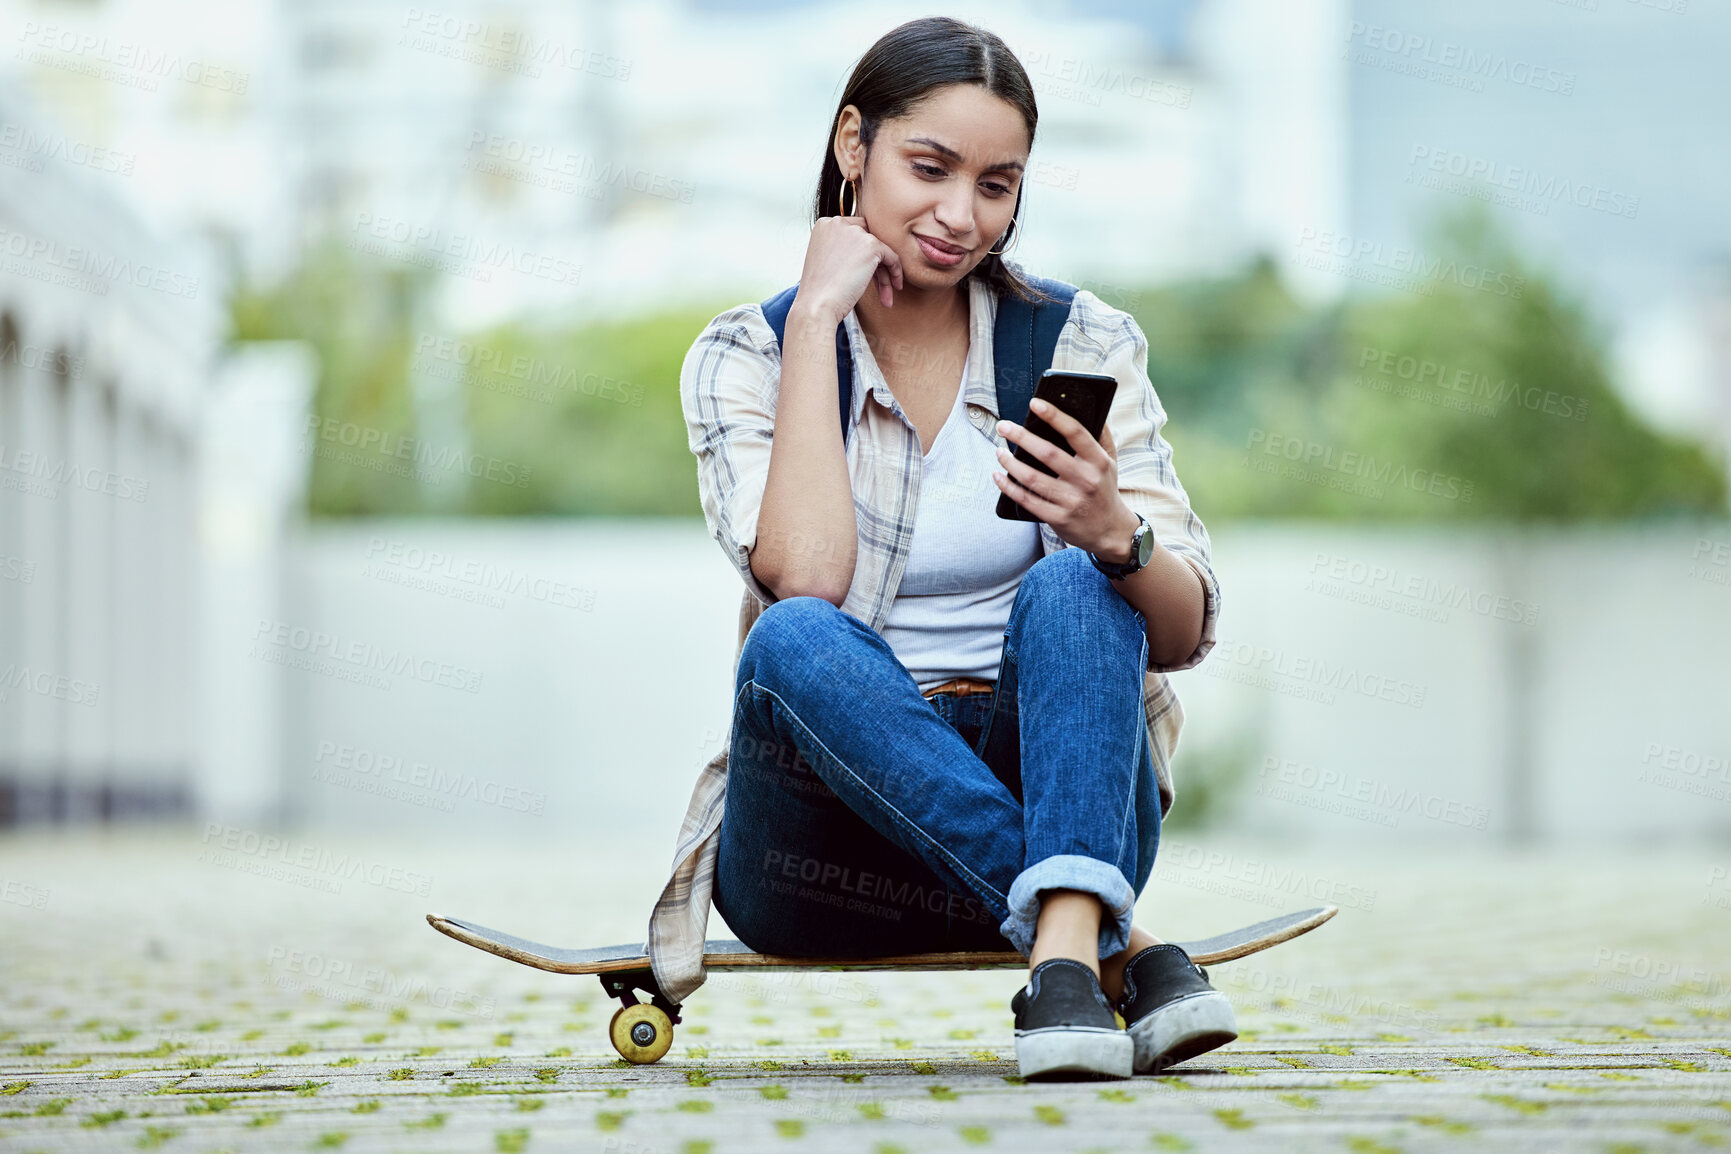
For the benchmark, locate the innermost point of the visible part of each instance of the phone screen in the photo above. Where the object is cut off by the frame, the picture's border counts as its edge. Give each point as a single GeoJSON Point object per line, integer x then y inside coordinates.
{"type": "Point", "coordinates": [1086, 397]}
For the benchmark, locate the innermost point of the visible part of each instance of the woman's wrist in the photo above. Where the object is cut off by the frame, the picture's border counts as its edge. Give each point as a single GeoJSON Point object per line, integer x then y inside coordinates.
{"type": "Point", "coordinates": [1115, 549]}
{"type": "Point", "coordinates": [812, 314]}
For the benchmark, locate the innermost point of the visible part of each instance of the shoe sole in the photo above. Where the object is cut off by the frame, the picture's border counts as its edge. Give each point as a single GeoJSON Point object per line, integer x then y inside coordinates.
{"type": "Point", "coordinates": [1181, 1030]}
{"type": "Point", "coordinates": [1058, 1054]}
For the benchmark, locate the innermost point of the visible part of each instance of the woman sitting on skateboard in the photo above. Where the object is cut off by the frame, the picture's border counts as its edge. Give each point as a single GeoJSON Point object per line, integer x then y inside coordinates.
{"type": "Point", "coordinates": [950, 730]}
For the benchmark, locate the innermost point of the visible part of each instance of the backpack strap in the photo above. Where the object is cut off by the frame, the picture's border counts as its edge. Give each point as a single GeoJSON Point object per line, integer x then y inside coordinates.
{"type": "Point", "coordinates": [775, 311]}
{"type": "Point", "coordinates": [1023, 344]}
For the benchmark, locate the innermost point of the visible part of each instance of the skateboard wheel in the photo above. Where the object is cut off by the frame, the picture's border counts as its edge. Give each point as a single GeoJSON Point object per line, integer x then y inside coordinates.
{"type": "Point", "coordinates": [641, 1033]}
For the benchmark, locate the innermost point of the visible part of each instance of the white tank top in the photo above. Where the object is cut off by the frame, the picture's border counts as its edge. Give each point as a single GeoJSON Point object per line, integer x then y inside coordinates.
{"type": "Point", "coordinates": [964, 564]}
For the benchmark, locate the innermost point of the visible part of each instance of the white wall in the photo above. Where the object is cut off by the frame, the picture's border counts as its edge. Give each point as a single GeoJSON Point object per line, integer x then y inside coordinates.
{"type": "Point", "coordinates": [1542, 726]}
{"type": "Point", "coordinates": [251, 509]}
{"type": "Point", "coordinates": [609, 712]}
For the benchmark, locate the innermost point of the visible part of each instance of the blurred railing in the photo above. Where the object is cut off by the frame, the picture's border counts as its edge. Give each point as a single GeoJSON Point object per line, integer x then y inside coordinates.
{"type": "Point", "coordinates": [106, 336]}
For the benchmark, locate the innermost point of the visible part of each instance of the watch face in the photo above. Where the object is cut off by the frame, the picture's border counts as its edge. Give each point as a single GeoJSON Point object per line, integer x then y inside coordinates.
{"type": "Point", "coordinates": [1145, 544]}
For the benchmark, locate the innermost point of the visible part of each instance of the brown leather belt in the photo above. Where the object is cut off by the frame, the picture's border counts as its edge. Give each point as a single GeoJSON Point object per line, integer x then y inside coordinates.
{"type": "Point", "coordinates": [961, 687]}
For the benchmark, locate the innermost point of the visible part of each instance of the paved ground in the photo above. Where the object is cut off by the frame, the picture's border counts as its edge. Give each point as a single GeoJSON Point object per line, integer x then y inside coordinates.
{"type": "Point", "coordinates": [165, 991]}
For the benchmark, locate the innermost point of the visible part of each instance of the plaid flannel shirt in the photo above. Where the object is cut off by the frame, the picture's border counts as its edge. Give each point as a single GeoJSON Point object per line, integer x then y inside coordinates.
{"type": "Point", "coordinates": [728, 387]}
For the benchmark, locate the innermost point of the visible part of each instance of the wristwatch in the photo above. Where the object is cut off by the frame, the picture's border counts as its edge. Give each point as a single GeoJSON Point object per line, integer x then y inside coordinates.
{"type": "Point", "coordinates": [1141, 552]}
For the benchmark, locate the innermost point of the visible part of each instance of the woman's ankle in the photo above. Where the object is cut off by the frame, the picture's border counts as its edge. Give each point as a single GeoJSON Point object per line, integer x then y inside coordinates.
{"type": "Point", "coordinates": [1112, 969]}
{"type": "Point", "coordinates": [1068, 927]}
{"type": "Point", "coordinates": [1041, 954]}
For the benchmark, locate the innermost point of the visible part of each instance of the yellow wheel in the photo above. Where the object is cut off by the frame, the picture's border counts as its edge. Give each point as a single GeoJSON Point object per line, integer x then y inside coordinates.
{"type": "Point", "coordinates": [641, 1033]}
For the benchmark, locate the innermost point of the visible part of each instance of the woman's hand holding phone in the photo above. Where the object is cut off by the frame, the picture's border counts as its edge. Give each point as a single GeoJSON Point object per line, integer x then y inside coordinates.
{"type": "Point", "coordinates": [1081, 503]}
{"type": "Point", "coordinates": [842, 260]}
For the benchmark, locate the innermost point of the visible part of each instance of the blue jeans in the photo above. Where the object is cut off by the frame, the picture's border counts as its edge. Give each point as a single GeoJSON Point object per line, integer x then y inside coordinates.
{"type": "Point", "coordinates": [862, 819]}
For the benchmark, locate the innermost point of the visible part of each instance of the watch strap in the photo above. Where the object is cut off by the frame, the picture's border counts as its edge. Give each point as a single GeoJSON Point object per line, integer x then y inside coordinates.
{"type": "Point", "coordinates": [1120, 570]}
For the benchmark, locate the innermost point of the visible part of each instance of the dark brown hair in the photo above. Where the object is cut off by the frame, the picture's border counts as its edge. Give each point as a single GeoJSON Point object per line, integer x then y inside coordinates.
{"type": "Point", "coordinates": [901, 69]}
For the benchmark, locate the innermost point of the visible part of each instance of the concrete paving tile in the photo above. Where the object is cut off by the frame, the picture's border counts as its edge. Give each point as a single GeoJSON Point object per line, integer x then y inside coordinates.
{"type": "Point", "coordinates": [157, 994]}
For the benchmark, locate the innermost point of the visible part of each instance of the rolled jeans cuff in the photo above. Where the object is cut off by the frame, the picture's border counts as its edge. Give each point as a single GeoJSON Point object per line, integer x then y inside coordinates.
{"type": "Point", "coordinates": [1071, 872]}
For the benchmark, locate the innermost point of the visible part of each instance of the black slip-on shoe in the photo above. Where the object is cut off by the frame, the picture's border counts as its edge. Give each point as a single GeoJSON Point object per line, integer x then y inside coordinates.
{"type": "Point", "coordinates": [1170, 1011]}
{"type": "Point", "coordinates": [1065, 1028]}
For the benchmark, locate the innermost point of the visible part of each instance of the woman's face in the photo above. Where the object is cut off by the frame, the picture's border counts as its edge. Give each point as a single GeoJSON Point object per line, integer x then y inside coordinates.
{"type": "Point", "coordinates": [942, 181]}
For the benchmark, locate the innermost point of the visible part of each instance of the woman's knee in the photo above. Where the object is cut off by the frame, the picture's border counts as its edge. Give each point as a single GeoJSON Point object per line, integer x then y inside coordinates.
{"type": "Point", "coordinates": [1068, 577]}
{"type": "Point", "coordinates": [789, 632]}
{"type": "Point", "coordinates": [807, 643]}
{"type": "Point", "coordinates": [1065, 568]}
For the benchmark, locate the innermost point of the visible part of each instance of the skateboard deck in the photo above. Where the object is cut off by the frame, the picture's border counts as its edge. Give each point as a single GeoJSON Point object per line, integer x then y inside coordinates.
{"type": "Point", "coordinates": [643, 1031]}
{"type": "Point", "coordinates": [728, 954]}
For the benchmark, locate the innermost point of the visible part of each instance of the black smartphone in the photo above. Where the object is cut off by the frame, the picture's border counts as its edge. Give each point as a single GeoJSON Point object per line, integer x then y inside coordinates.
{"type": "Point", "coordinates": [1086, 397]}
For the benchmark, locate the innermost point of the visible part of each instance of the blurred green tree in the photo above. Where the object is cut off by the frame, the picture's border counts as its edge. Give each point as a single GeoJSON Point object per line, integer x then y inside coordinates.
{"type": "Point", "coordinates": [595, 409]}
{"type": "Point", "coordinates": [1444, 404]}
{"type": "Point", "coordinates": [1448, 404]}
{"type": "Point", "coordinates": [356, 316]}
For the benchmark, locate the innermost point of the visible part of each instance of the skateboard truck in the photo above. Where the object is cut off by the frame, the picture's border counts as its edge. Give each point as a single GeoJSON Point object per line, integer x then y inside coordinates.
{"type": "Point", "coordinates": [640, 1031]}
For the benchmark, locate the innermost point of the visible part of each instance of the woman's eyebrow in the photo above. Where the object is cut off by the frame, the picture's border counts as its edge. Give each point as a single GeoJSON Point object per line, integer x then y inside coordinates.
{"type": "Point", "coordinates": [949, 153]}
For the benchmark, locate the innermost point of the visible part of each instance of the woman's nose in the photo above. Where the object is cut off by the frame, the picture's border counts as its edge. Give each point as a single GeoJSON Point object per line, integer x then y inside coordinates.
{"type": "Point", "coordinates": [955, 211]}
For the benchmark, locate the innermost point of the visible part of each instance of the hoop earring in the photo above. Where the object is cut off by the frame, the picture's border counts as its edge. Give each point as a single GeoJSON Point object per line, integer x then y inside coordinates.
{"type": "Point", "coordinates": [1012, 230]}
{"type": "Point", "coordinates": [841, 197]}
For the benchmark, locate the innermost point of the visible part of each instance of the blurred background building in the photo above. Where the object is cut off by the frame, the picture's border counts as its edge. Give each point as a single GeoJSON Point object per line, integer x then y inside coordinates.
{"type": "Point", "coordinates": [107, 332]}
{"type": "Point", "coordinates": [346, 481]}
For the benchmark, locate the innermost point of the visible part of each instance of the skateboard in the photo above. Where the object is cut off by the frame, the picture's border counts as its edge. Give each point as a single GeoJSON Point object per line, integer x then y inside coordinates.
{"type": "Point", "coordinates": [643, 1031]}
